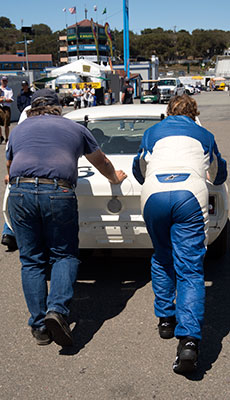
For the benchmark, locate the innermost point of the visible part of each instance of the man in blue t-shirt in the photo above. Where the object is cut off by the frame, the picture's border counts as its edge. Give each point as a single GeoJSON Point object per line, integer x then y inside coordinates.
{"type": "Point", "coordinates": [42, 156]}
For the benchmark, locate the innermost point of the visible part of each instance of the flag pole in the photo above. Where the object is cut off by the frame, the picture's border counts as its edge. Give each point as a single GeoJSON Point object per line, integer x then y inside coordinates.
{"type": "Point", "coordinates": [97, 36]}
{"type": "Point", "coordinates": [76, 28]}
{"type": "Point", "coordinates": [126, 35]}
{"type": "Point", "coordinates": [98, 57]}
{"type": "Point", "coordinates": [65, 20]}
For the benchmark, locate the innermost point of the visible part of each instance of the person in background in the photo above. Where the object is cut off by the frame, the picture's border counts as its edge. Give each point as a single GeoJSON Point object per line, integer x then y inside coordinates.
{"type": "Point", "coordinates": [24, 98]}
{"type": "Point", "coordinates": [77, 95]}
{"type": "Point", "coordinates": [43, 209]}
{"type": "Point", "coordinates": [175, 158]}
{"type": "Point", "coordinates": [6, 99]}
{"type": "Point", "coordinates": [156, 92]}
{"type": "Point", "coordinates": [8, 236]}
{"type": "Point", "coordinates": [91, 94]}
{"type": "Point", "coordinates": [85, 95]}
{"type": "Point", "coordinates": [155, 89]}
{"type": "Point", "coordinates": [126, 98]}
{"type": "Point", "coordinates": [127, 92]}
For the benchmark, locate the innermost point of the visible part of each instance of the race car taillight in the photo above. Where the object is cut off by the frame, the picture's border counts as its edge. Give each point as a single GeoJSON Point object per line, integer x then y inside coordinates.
{"type": "Point", "coordinates": [212, 205]}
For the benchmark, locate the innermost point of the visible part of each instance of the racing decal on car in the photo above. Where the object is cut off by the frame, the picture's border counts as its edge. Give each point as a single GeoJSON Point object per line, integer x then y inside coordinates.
{"type": "Point", "coordinates": [85, 172]}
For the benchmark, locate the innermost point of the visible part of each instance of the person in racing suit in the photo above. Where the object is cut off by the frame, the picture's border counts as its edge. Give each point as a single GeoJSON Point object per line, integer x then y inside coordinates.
{"type": "Point", "coordinates": [174, 160]}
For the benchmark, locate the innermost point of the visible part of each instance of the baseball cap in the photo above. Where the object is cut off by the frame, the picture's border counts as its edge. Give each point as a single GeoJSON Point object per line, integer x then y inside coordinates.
{"type": "Point", "coordinates": [46, 97]}
{"type": "Point", "coordinates": [25, 83]}
{"type": "Point", "coordinates": [4, 78]}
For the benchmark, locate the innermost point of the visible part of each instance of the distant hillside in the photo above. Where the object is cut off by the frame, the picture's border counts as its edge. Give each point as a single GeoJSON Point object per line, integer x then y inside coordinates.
{"type": "Point", "coordinates": [168, 45]}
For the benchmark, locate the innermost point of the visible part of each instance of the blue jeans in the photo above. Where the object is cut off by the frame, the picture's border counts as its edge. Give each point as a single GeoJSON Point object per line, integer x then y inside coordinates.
{"type": "Point", "coordinates": [7, 230]}
{"type": "Point", "coordinates": [122, 125]}
{"type": "Point", "coordinates": [45, 222]}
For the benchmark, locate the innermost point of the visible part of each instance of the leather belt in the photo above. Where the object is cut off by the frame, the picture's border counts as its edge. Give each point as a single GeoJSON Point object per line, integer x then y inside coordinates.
{"type": "Point", "coordinates": [44, 181]}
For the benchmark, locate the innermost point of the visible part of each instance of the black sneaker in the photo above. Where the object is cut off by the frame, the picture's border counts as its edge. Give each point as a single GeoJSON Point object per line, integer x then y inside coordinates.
{"type": "Point", "coordinates": [59, 328]}
{"type": "Point", "coordinates": [166, 327]}
{"type": "Point", "coordinates": [42, 336]}
{"type": "Point", "coordinates": [10, 241]}
{"type": "Point", "coordinates": [187, 354]}
{"type": "Point", "coordinates": [1, 139]}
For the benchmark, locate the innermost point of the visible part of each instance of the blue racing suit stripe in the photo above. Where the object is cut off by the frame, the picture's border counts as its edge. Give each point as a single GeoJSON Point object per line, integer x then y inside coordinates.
{"type": "Point", "coordinates": [186, 127]}
{"type": "Point", "coordinates": [137, 170]}
{"type": "Point", "coordinates": [179, 127]}
{"type": "Point", "coordinates": [175, 224]}
{"type": "Point", "coordinates": [221, 175]}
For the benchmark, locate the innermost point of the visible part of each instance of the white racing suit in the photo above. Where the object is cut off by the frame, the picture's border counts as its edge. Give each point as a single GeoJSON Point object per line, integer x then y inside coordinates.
{"type": "Point", "coordinates": [172, 164]}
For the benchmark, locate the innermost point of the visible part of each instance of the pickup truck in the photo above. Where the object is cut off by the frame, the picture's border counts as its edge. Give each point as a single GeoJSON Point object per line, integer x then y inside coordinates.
{"type": "Point", "coordinates": [170, 87]}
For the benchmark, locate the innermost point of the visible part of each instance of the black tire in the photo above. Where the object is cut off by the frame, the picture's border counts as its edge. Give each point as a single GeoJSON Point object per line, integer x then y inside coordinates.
{"type": "Point", "coordinates": [187, 92]}
{"type": "Point", "coordinates": [219, 247]}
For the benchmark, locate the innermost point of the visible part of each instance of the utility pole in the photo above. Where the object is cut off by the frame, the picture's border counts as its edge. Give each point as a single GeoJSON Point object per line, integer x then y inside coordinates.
{"type": "Point", "coordinates": [126, 35]}
{"type": "Point", "coordinates": [77, 41]}
{"type": "Point", "coordinates": [25, 30]}
{"type": "Point", "coordinates": [26, 50]}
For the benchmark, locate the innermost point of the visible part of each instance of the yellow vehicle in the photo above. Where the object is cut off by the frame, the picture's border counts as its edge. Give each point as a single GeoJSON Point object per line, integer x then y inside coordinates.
{"type": "Point", "coordinates": [221, 86]}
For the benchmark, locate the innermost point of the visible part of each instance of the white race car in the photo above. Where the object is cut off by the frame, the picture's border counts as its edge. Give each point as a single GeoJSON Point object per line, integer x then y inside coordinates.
{"type": "Point", "coordinates": [109, 215]}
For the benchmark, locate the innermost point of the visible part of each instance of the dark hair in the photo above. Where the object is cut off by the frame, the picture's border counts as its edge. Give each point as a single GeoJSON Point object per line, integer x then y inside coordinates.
{"type": "Point", "coordinates": [41, 110]}
{"type": "Point", "coordinates": [183, 105]}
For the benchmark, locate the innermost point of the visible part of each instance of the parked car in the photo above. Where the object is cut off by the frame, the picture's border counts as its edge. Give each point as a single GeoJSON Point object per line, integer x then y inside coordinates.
{"type": "Point", "coordinates": [148, 97]}
{"type": "Point", "coordinates": [189, 89]}
{"type": "Point", "coordinates": [170, 87]}
{"type": "Point", "coordinates": [221, 86]}
{"type": "Point", "coordinates": [110, 215]}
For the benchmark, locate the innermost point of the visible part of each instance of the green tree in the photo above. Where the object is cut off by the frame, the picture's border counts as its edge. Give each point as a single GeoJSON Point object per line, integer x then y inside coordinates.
{"type": "Point", "coordinates": [41, 29]}
{"type": "Point", "coordinates": [183, 44]}
{"type": "Point", "coordinates": [6, 23]}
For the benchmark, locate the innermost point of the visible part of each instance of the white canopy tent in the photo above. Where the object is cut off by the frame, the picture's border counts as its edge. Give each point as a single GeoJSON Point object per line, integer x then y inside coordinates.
{"type": "Point", "coordinates": [82, 67]}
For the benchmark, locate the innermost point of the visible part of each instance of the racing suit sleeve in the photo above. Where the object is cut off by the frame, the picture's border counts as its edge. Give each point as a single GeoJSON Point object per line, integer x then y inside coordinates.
{"type": "Point", "coordinates": [139, 163]}
{"type": "Point", "coordinates": [218, 167]}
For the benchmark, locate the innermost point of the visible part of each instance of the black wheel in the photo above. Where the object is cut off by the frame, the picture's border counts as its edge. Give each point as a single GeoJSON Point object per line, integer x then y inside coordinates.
{"type": "Point", "coordinates": [219, 247]}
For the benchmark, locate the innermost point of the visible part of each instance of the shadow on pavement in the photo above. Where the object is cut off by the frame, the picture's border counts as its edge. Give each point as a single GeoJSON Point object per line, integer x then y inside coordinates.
{"type": "Point", "coordinates": [217, 319]}
{"type": "Point", "coordinates": [104, 286]}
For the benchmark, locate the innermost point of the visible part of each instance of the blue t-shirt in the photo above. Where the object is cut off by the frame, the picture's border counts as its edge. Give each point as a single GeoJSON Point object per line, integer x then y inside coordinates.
{"type": "Point", "coordinates": [48, 146]}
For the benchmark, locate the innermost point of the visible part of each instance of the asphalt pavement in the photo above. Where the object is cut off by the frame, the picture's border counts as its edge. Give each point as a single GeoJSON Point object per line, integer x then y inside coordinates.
{"type": "Point", "coordinates": [118, 354]}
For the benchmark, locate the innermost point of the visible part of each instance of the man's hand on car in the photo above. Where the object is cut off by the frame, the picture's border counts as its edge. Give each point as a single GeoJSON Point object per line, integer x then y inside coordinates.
{"type": "Point", "coordinates": [120, 176]}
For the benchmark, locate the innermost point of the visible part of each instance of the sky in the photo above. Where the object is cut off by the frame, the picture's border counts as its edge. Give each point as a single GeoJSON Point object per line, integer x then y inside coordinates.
{"type": "Point", "coordinates": [167, 14]}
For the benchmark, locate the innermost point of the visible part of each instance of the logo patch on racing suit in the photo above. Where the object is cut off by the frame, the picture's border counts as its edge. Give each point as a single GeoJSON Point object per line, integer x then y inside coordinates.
{"type": "Point", "coordinates": [166, 178]}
